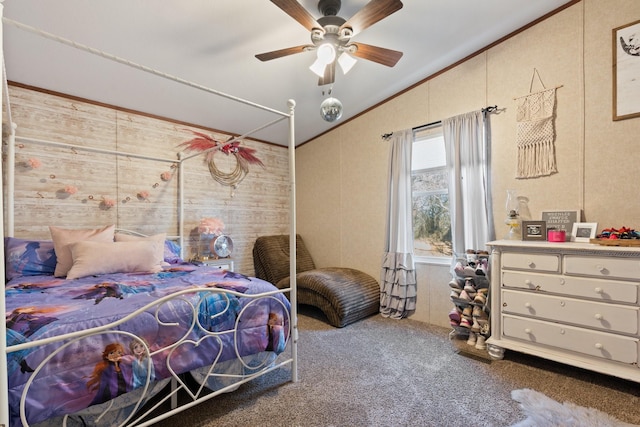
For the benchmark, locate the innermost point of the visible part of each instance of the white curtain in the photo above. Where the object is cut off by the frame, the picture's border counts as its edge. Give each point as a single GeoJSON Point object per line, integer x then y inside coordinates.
{"type": "Point", "coordinates": [398, 277]}
{"type": "Point", "coordinates": [467, 143]}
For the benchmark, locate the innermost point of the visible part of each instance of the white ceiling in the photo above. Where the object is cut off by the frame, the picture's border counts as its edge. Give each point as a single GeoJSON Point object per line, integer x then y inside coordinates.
{"type": "Point", "coordinates": [213, 42]}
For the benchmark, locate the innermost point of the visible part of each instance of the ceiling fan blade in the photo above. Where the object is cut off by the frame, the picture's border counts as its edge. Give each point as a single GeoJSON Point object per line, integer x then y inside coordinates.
{"type": "Point", "coordinates": [297, 12]}
{"type": "Point", "coordinates": [373, 12]}
{"type": "Point", "coordinates": [267, 56]}
{"type": "Point", "coordinates": [377, 54]}
{"type": "Point", "coordinates": [329, 75]}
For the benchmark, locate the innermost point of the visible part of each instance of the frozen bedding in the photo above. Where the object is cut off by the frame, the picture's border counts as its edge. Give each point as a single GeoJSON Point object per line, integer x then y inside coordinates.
{"type": "Point", "coordinates": [199, 326]}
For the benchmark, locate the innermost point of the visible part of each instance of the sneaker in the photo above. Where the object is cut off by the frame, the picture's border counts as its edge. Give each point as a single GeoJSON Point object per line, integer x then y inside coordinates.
{"type": "Point", "coordinates": [467, 313]}
{"type": "Point", "coordinates": [482, 268]}
{"type": "Point", "coordinates": [465, 296]}
{"type": "Point", "coordinates": [459, 269]}
{"type": "Point", "coordinates": [477, 311]}
{"type": "Point", "coordinates": [469, 285]}
{"type": "Point", "coordinates": [455, 284]}
{"type": "Point", "coordinates": [454, 317]}
{"type": "Point", "coordinates": [472, 339]}
{"type": "Point", "coordinates": [481, 296]}
{"type": "Point", "coordinates": [455, 293]}
{"type": "Point", "coordinates": [468, 271]}
{"type": "Point", "coordinates": [480, 342]}
{"type": "Point", "coordinates": [465, 323]}
{"type": "Point", "coordinates": [475, 327]}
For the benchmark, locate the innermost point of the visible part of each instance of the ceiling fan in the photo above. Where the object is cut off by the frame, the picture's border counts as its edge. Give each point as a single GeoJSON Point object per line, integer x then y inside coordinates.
{"type": "Point", "coordinates": [331, 36]}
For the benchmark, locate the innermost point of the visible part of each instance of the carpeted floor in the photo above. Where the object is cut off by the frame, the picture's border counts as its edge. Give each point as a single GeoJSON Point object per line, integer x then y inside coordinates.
{"type": "Point", "coordinates": [381, 372]}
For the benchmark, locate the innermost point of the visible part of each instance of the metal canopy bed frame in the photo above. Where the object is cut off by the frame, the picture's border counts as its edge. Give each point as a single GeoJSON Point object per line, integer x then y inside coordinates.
{"type": "Point", "coordinates": [7, 231]}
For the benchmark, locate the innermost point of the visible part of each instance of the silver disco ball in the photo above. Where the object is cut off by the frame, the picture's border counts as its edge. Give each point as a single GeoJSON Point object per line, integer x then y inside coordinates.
{"type": "Point", "coordinates": [331, 109]}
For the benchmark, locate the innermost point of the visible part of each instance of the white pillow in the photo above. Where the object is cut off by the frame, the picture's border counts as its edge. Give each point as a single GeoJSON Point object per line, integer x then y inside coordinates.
{"type": "Point", "coordinates": [93, 258]}
{"type": "Point", "coordinates": [62, 237]}
{"type": "Point", "coordinates": [157, 238]}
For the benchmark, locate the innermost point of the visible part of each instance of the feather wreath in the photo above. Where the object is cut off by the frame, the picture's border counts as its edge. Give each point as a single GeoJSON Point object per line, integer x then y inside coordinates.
{"type": "Point", "coordinates": [244, 157]}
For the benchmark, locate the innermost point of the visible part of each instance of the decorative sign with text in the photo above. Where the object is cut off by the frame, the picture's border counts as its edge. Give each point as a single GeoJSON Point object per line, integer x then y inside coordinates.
{"type": "Point", "coordinates": [561, 220]}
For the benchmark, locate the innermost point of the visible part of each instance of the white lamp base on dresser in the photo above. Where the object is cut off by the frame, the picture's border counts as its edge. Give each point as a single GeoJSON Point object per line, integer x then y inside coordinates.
{"type": "Point", "coordinates": [574, 303]}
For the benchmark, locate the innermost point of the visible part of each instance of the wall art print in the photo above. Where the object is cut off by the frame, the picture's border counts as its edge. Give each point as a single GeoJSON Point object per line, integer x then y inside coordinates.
{"type": "Point", "coordinates": [626, 70]}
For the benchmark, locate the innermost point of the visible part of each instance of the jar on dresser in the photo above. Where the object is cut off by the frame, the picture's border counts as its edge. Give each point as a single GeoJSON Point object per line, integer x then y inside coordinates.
{"type": "Point", "coordinates": [574, 303]}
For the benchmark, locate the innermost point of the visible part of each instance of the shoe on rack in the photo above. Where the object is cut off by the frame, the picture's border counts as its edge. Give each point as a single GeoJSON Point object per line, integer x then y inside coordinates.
{"type": "Point", "coordinates": [456, 284]}
{"type": "Point", "coordinates": [481, 296]}
{"type": "Point", "coordinates": [465, 323]}
{"type": "Point", "coordinates": [477, 311]}
{"type": "Point", "coordinates": [465, 296]}
{"type": "Point", "coordinates": [467, 313]}
{"type": "Point", "coordinates": [475, 327]}
{"type": "Point", "coordinates": [480, 342]}
{"type": "Point", "coordinates": [455, 293]}
{"type": "Point", "coordinates": [470, 285]}
{"type": "Point", "coordinates": [482, 267]}
{"type": "Point", "coordinates": [454, 317]}
{"type": "Point", "coordinates": [472, 339]}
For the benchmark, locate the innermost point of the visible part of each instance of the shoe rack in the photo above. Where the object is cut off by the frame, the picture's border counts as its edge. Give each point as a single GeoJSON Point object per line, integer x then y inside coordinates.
{"type": "Point", "coordinates": [470, 285]}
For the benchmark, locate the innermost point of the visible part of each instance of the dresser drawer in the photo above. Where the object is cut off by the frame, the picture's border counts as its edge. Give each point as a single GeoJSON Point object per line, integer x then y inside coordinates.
{"type": "Point", "coordinates": [605, 290]}
{"type": "Point", "coordinates": [531, 262]}
{"type": "Point", "coordinates": [593, 343]}
{"type": "Point", "coordinates": [609, 267]}
{"type": "Point", "coordinates": [591, 314]}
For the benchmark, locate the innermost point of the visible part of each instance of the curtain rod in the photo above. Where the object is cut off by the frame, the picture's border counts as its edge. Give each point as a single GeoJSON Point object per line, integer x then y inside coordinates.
{"type": "Point", "coordinates": [489, 109]}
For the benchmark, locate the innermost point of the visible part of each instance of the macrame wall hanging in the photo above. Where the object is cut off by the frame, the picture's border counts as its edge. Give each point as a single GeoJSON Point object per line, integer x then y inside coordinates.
{"type": "Point", "coordinates": [536, 132]}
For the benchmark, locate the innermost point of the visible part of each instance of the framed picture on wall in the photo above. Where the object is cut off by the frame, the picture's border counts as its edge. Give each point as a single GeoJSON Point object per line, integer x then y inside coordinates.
{"type": "Point", "coordinates": [534, 230]}
{"type": "Point", "coordinates": [626, 69]}
{"type": "Point", "coordinates": [584, 231]}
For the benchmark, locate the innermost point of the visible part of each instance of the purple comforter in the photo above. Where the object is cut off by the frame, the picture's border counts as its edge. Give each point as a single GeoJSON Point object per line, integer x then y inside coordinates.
{"type": "Point", "coordinates": [91, 370]}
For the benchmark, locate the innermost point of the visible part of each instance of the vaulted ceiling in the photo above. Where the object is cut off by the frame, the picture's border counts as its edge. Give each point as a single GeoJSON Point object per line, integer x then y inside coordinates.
{"type": "Point", "coordinates": [214, 43]}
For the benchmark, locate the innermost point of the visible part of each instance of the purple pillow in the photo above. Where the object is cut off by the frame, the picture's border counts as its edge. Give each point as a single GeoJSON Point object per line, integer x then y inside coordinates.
{"type": "Point", "coordinates": [28, 257]}
{"type": "Point", "coordinates": [172, 252]}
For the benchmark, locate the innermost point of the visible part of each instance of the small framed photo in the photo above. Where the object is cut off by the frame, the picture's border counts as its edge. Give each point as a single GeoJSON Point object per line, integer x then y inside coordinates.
{"type": "Point", "coordinates": [584, 231]}
{"type": "Point", "coordinates": [534, 230]}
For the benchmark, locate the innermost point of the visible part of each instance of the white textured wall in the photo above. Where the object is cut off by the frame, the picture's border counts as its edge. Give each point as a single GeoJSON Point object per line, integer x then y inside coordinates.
{"type": "Point", "coordinates": [341, 176]}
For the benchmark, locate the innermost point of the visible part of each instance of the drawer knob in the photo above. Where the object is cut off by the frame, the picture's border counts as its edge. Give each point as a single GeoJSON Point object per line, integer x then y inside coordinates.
{"type": "Point", "coordinates": [598, 290]}
{"type": "Point", "coordinates": [527, 304]}
{"type": "Point", "coordinates": [599, 316]}
{"type": "Point", "coordinates": [528, 282]}
{"type": "Point", "coordinates": [599, 346]}
{"type": "Point", "coordinates": [527, 331]}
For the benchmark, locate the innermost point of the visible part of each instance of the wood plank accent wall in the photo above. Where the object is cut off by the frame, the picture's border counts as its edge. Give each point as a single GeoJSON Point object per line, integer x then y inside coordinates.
{"type": "Point", "coordinates": [258, 206]}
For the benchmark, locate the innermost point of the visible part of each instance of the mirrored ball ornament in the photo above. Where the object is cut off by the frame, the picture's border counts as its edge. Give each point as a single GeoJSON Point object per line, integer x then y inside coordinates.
{"type": "Point", "coordinates": [331, 109]}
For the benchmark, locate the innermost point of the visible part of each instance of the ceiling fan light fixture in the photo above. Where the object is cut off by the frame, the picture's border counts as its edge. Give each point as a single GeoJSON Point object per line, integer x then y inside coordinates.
{"type": "Point", "coordinates": [326, 53]}
{"type": "Point", "coordinates": [318, 67]}
{"type": "Point", "coordinates": [346, 62]}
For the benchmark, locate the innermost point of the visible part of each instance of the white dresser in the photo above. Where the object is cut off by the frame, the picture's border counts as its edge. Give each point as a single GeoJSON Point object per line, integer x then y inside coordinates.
{"type": "Point", "coordinates": [575, 303]}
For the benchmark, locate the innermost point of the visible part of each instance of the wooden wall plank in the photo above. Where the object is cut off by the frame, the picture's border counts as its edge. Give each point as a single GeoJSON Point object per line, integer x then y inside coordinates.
{"type": "Point", "coordinates": [258, 206]}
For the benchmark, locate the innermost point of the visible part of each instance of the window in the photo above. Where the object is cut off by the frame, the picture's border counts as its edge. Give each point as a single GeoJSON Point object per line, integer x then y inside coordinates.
{"type": "Point", "coordinates": [430, 197]}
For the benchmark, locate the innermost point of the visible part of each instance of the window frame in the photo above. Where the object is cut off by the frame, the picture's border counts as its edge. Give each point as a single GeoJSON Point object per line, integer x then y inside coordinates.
{"type": "Point", "coordinates": [424, 133]}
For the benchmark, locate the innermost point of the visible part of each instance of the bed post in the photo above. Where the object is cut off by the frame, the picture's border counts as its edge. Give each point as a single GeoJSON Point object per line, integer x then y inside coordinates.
{"type": "Point", "coordinates": [292, 242]}
{"type": "Point", "coordinates": [4, 380]}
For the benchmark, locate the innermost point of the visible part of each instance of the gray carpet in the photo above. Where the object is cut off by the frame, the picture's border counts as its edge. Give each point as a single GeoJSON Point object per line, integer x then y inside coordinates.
{"type": "Point", "coordinates": [381, 372]}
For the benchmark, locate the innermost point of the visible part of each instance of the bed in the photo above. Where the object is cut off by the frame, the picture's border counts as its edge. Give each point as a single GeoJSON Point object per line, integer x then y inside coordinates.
{"type": "Point", "coordinates": [126, 325]}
